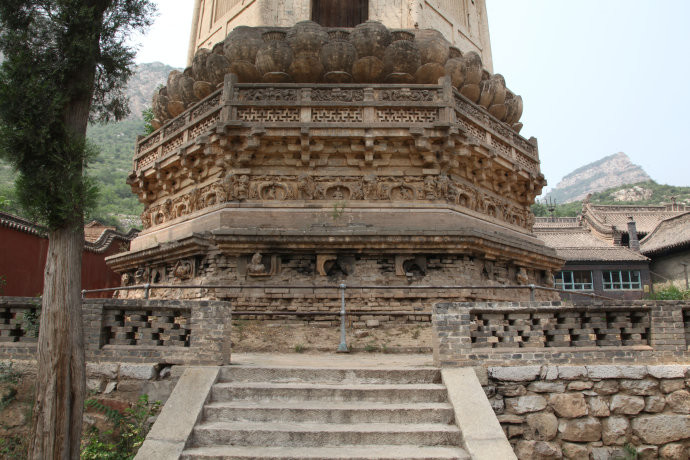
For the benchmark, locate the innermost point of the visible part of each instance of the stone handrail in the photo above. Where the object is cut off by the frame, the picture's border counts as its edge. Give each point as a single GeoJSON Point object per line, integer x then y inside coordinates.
{"type": "Point", "coordinates": [411, 106]}
{"type": "Point", "coordinates": [646, 332]}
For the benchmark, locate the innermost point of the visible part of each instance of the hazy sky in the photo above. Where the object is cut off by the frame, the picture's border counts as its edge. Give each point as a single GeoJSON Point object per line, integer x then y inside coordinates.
{"type": "Point", "coordinates": [597, 76]}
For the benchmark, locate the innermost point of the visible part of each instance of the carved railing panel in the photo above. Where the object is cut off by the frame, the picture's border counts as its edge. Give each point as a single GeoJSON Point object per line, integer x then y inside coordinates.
{"type": "Point", "coordinates": [160, 328]}
{"type": "Point", "coordinates": [19, 324]}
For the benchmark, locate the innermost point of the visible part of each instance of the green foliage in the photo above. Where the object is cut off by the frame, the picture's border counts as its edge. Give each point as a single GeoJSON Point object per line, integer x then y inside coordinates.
{"type": "Point", "coordinates": [299, 348]}
{"type": "Point", "coordinates": [148, 117]}
{"type": "Point", "coordinates": [371, 347]}
{"type": "Point", "coordinates": [129, 429]}
{"type": "Point", "coordinates": [661, 194]}
{"type": "Point", "coordinates": [562, 210]}
{"type": "Point", "coordinates": [670, 293]}
{"type": "Point", "coordinates": [65, 61]}
{"type": "Point", "coordinates": [13, 448]}
{"type": "Point", "coordinates": [629, 453]}
{"type": "Point", "coordinates": [31, 321]}
{"type": "Point", "coordinates": [9, 378]}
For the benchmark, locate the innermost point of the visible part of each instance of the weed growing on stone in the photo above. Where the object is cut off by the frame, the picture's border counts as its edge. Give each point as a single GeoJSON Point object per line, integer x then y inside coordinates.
{"type": "Point", "coordinates": [13, 448]}
{"type": "Point", "coordinates": [371, 348]}
{"type": "Point", "coordinates": [129, 429]}
{"type": "Point", "coordinates": [299, 348]}
{"type": "Point", "coordinates": [671, 293]}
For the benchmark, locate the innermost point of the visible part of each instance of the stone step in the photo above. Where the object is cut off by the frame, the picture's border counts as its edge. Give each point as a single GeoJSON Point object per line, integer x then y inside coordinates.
{"type": "Point", "coordinates": [345, 452]}
{"type": "Point", "coordinates": [319, 435]}
{"type": "Point", "coordinates": [328, 412]}
{"type": "Point", "coordinates": [325, 375]}
{"type": "Point", "coordinates": [390, 393]}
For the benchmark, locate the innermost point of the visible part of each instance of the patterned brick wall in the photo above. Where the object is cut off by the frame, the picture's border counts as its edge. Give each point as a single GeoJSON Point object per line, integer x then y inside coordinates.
{"type": "Point", "coordinates": [467, 333]}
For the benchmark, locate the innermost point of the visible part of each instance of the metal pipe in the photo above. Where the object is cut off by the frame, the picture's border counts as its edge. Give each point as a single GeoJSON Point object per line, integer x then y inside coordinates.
{"type": "Point", "coordinates": [531, 292]}
{"type": "Point", "coordinates": [342, 348]}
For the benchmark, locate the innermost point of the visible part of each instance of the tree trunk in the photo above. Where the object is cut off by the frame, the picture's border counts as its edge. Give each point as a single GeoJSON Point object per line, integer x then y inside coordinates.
{"type": "Point", "coordinates": [60, 383]}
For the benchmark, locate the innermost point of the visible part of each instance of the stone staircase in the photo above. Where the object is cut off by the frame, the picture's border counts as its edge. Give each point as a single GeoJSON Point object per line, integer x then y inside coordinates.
{"type": "Point", "coordinates": [325, 413]}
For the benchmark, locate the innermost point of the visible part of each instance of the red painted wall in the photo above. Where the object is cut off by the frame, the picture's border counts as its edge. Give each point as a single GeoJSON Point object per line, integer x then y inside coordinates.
{"type": "Point", "coordinates": [23, 257]}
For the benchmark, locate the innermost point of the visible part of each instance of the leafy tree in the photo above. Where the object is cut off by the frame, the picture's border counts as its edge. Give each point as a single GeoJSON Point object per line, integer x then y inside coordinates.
{"type": "Point", "coordinates": [66, 61]}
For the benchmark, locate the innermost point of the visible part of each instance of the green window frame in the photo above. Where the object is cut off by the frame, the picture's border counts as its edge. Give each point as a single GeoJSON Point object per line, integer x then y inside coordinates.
{"type": "Point", "coordinates": [622, 280]}
{"type": "Point", "coordinates": [574, 280]}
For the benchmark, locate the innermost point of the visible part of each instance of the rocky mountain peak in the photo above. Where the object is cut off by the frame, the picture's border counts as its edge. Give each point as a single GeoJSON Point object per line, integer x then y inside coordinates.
{"type": "Point", "coordinates": [146, 78]}
{"type": "Point", "coordinates": [611, 171]}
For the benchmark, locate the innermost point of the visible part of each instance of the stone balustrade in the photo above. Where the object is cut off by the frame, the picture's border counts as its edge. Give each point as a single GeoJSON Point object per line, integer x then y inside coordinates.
{"type": "Point", "coordinates": [485, 333]}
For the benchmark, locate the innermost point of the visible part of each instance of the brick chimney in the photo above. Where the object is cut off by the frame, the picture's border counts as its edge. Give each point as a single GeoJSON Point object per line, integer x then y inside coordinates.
{"type": "Point", "coordinates": [633, 242]}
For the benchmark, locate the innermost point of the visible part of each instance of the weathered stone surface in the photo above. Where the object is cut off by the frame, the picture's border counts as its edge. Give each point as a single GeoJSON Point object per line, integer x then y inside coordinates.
{"type": "Point", "coordinates": [515, 431]}
{"type": "Point", "coordinates": [654, 404]}
{"type": "Point", "coordinates": [669, 386]}
{"type": "Point", "coordinates": [580, 430]}
{"type": "Point", "coordinates": [673, 452]}
{"type": "Point", "coordinates": [617, 372]}
{"type": "Point", "coordinates": [662, 428]}
{"type": "Point", "coordinates": [546, 387]}
{"type": "Point", "coordinates": [537, 450]}
{"type": "Point", "coordinates": [575, 451]}
{"type": "Point", "coordinates": [679, 401]}
{"type": "Point", "coordinates": [645, 387]}
{"type": "Point", "coordinates": [110, 387]}
{"type": "Point", "coordinates": [510, 391]}
{"type": "Point", "coordinates": [130, 386]}
{"type": "Point", "coordinates": [138, 371]}
{"type": "Point", "coordinates": [515, 374]}
{"type": "Point", "coordinates": [572, 372]}
{"type": "Point", "coordinates": [607, 453]}
{"type": "Point", "coordinates": [510, 418]}
{"type": "Point", "coordinates": [542, 427]}
{"type": "Point", "coordinates": [598, 407]}
{"type": "Point", "coordinates": [525, 404]}
{"type": "Point", "coordinates": [96, 385]}
{"type": "Point", "coordinates": [549, 373]}
{"type": "Point", "coordinates": [625, 404]}
{"type": "Point", "coordinates": [373, 323]}
{"type": "Point", "coordinates": [571, 405]}
{"type": "Point", "coordinates": [371, 39]}
{"type": "Point", "coordinates": [498, 405]}
{"type": "Point", "coordinates": [647, 452]}
{"type": "Point", "coordinates": [107, 370]}
{"type": "Point", "coordinates": [606, 387]}
{"type": "Point", "coordinates": [614, 430]}
{"type": "Point", "coordinates": [667, 371]}
{"type": "Point", "coordinates": [580, 385]}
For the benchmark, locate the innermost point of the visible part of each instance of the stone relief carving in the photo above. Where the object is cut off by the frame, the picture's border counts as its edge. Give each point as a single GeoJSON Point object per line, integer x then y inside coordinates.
{"type": "Point", "coordinates": [183, 270]}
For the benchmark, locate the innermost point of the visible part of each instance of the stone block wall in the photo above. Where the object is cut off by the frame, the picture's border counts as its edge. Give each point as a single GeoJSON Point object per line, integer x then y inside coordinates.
{"type": "Point", "coordinates": [593, 411]}
{"type": "Point", "coordinates": [536, 332]}
{"type": "Point", "coordinates": [130, 331]}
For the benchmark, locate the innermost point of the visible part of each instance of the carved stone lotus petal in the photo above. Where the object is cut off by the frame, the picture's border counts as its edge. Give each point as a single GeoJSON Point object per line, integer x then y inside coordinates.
{"type": "Point", "coordinates": [399, 78]}
{"type": "Point", "coordinates": [307, 38]}
{"type": "Point", "coordinates": [246, 71]}
{"type": "Point", "coordinates": [471, 92]}
{"type": "Point", "coordinates": [493, 91]}
{"type": "Point", "coordinates": [402, 56]}
{"type": "Point", "coordinates": [433, 47]}
{"type": "Point", "coordinates": [499, 111]}
{"type": "Point", "coordinates": [455, 69]}
{"type": "Point", "coordinates": [430, 73]}
{"type": "Point", "coordinates": [274, 56]}
{"type": "Point", "coordinates": [199, 65]}
{"type": "Point", "coordinates": [242, 44]}
{"type": "Point", "coordinates": [202, 89]}
{"type": "Point", "coordinates": [368, 69]}
{"type": "Point", "coordinates": [454, 52]}
{"type": "Point", "coordinates": [276, 77]}
{"type": "Point", "coordinates": [473, 68]}
{"type": "Point", "coordinates": [371, 39]}
{"type": "Point", "coordinates": [175, 108]}
{"type": "Point", "coordinates": [306, 68]}
{"type": "Point", "coordinates": [338, 56]}
{"type": "Point", "coordinates": [217, 66]}
{"type": "Point", "coordinates": [159, 104]}
{"type": "Point", "coordinates": [338, 77]}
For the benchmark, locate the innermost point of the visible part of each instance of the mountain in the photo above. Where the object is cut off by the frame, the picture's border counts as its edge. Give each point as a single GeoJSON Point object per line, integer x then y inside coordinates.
{"type": "Point", "coordinates": [146, 78]}
{"type": "Point", "coordinates": [611, 171]}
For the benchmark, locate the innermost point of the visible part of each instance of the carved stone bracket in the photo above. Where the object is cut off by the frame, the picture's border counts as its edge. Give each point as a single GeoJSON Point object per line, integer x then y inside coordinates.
{"type": "Point", "coordinates": [406, 263]}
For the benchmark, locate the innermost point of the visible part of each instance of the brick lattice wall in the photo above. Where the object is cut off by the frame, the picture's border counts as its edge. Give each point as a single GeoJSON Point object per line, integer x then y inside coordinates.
{"type": "Point", "coordinates": [467, 333]}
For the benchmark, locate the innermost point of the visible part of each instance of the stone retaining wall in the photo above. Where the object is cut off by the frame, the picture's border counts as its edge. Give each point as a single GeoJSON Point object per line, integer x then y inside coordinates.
{"type": "Point", "coordinates": [593, 411]}
{"type": "Point", "coordinates": [129, 331]}
{"type": "Point", "coordinates": [500, 334]}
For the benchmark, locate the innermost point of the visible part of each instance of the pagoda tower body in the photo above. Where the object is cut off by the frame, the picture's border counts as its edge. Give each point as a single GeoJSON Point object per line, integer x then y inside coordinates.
{"type": "Point", "coordinates": [462, 22]}
{"type": "Point", "coordinates": [304, 147]}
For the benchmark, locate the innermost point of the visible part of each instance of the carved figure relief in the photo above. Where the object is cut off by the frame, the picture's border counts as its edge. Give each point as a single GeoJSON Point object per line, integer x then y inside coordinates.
{"type": "Point", "coordinates": [256, 267]}
{"type": "Point", "coordinates": [522, 278]}
{"type": "Point", "coordinates": [183, 270]}
{"type": "Point", "coordinates": [407, 265]}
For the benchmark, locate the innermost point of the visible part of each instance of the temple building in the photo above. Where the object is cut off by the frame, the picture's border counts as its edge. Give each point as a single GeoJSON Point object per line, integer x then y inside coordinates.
{"type": "Point", "coordinates": [383, 153]}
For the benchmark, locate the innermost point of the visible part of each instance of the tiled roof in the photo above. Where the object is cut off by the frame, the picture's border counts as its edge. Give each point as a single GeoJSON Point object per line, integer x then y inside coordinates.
{"type": "Point", "coordinates": [556, 222]}
{"type": "Point", "coordinates": [671, 233]}
{"type": "Point", "coordinates": [646, 217]}
{"type": "Point", "coordinates": [98, 245]}
{"type": "Point", "coordinates": [578, 244]}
